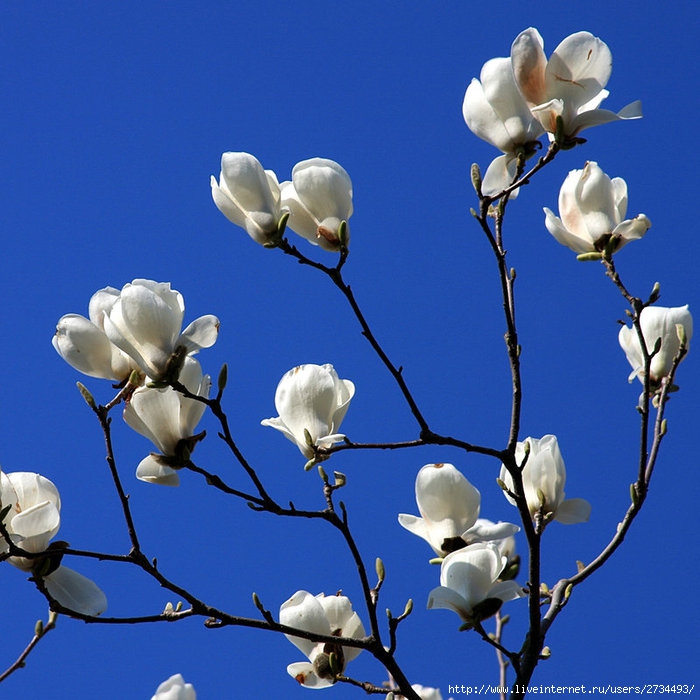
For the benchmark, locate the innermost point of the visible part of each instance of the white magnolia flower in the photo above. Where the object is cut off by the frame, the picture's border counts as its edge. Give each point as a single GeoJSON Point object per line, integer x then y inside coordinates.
{"type": "Point", "coordinates": [657, 322]}
{"type": "Point", "coordinates": [427, 693]}
{"type": "Point", "coordinates": [248, 196]}
{"type": "Point", "coordinates": [145, 322]}
{"type": "Point", "coordinates": [83, 344]}
{"type": "Point", "coordinates": [321, 614]}
{"type": "Point", "coordinates": [570, 85]}
{"type": "Point", "coordinates": [319, 200]}
{"type": "Point", "coordinates": [470, 576]}
{"type": "Point", "coordinates": [175, 688]}
{"type": "Point", "coordinates": [32, 521]}
{"type": "Point", "coordinates": [496, 112]}
{"type": "Point", "coordinates": [449, 507]}
{"type": "Point", "coordinates": [592, 208]}
{"type": "Point", "coordinates": [168, 420]}
{"type": "Point", "coordinates": [311, 401]}
{"type": "Point", "coordinates": [544, 477]}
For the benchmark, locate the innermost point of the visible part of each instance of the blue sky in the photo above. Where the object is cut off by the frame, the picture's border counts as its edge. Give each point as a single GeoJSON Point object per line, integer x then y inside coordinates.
{"type": "Point", "coordinates": [115, 116]}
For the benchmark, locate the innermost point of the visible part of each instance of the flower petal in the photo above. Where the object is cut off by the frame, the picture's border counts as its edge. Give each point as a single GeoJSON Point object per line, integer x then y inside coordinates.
{"type": "Point", "coordinates": [75, 591]}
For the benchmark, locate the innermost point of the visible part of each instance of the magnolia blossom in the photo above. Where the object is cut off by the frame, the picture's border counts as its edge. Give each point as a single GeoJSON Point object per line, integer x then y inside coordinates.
{"type": "Point", "coordinates": [168, 420]}
{"type": "Point", "coordinates": [311, 401]}
{"type": "Point", "coordinates": [544, 476]}
{"type": "Point", "coordinates": [319, 200]}
{"type": "Point", "coordinates": [570, 85]}
{"type": "Point", "coordinates": [592, 208]}
{"type": "Point", "coordinates": [145, 322]}
{"type": "Point", "coordinates": [449, 507]}
{"type": "Point", "coordinates": [321, 614]}
{"type": "Point", "coordinates": [32, 521]}
{"type": "Point", "coordinates": [496, 112]}
{"type": "Point", "coordinates": [83, 344]}
{"type": "Point", "coordinates": [175, 688]}
{"type": "Point", "coordinates": [248, 196]}
{"type": "Point", "coordinates": [657, 323]}
{"type": "Point", "coordinates": [470, 576]}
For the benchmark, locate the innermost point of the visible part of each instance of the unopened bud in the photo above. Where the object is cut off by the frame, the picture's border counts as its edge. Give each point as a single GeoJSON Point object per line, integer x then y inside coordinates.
{"type": "Point", "coordinates": [223, 377]}
{"type": "Point", "coordinates": [476, 178]}
{"type": "Point", "coordinates": [309, 464]}
{"type": "Point", "coordinates": [545, 653]}
{"type": "Point", "coordinates": [408, 608]}
{"type": "Point", "coordinates": [682, 335]}
{"type": "Point", "coordinates": [589, 257]}
{"type": "Point", "coordinates": [343, 234]}
{"type": "Point", "coordinates": [340, 479]}
{"type": "Point", "coordinates": [39, 628]}
{"type": "Point", "coordinates": [322, 473]}
{"type": "Point", "coordinates": [655, 292]}
{"type": "Point", "coordinates": [379, 568]}
{"type": "Point", "coordinates": [89, 400]}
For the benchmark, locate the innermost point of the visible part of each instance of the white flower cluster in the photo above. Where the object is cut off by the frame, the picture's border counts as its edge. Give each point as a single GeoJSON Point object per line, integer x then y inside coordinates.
{"type": "Point", "coordinates": [32, 520]}
{"type": "Point", "coordinates": [137, 332]}
{"type": "Point", "coordinates": [316, 203]}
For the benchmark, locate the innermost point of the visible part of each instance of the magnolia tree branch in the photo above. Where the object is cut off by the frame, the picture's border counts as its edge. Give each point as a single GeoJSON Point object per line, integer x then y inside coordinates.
{"type": "Point", "coordinates": [40, 631]}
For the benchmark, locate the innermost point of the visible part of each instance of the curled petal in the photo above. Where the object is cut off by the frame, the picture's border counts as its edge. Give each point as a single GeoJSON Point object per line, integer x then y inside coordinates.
{"type": "Point", "coordinates": [154, 472]}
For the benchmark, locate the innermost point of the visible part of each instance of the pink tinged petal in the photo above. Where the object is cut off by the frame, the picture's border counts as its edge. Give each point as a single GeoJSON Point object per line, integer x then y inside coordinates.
{"type": "Point", "coordinates": [564, 236]}
{"type": "Point", "coordinates": [547, 112]}
{"type": "Point", "coordinates": [573, 510]}
{"type": "Point", "coordinates": [495, 111]}
{"type": "Point", "coordinates": [76, 592]}
{"type": "Point", "coordinates": [529, 63]}
{"type": "Point", "coordinates": [303, 611]}
{"type": "Point", "coordinates": [303, 673]}
{"type": "Point", "coordinates": [152, 471]}
{"type": "Point", "coordinates": [578, 70]}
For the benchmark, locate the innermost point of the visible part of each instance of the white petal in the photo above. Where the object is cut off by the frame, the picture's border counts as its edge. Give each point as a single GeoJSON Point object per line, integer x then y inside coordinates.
{"type": "Point", "coordinates": [201, 333]}
{"type": "Point", "coordinates": [76, 592]}
{"type": "Point", "coordinates": [304, 612]}
{"type": "Point", "coordinates": [153, 472]}
{"type": "Point", "coordinates": [573, 510]}
{"type": "Point", "coordinates": [303, 673]}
